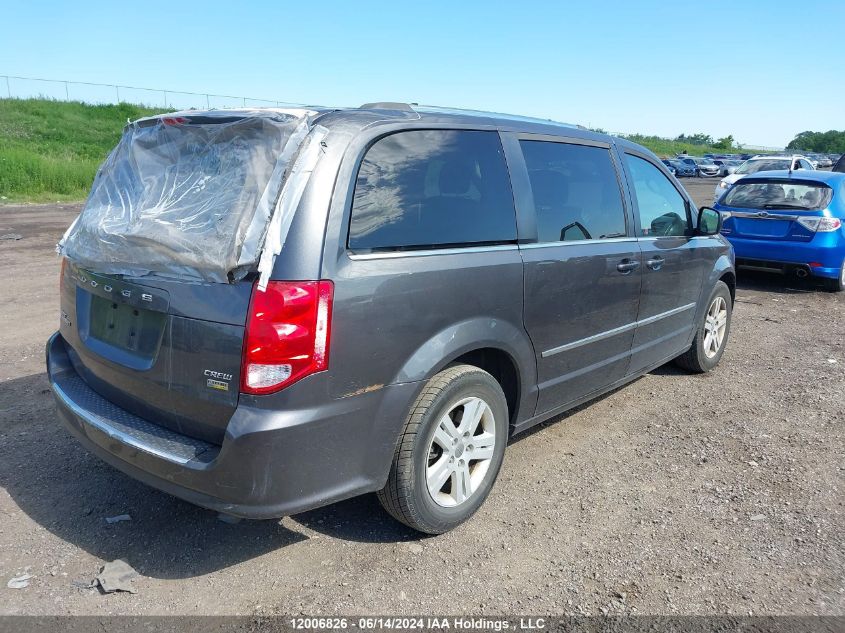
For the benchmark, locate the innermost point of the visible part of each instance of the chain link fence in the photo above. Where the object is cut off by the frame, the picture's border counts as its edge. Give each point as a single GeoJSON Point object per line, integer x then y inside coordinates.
{"type": "Point", "coordinates": [17, 87]}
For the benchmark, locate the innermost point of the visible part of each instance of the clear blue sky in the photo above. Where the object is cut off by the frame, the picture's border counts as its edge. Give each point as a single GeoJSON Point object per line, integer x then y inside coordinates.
{"type": "Point", "coordinates": [761, 71]}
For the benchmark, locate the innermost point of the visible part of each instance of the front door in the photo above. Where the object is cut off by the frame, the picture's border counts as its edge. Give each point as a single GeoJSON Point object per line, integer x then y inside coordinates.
{"type": "Point", "coordinates": [674, 265]}
{"type": "Point", "coordinates": [582, 275]}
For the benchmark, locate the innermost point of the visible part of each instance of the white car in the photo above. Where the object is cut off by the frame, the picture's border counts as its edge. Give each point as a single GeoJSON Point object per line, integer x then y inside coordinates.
{"type": "Point", "coordinates": [761, 163]}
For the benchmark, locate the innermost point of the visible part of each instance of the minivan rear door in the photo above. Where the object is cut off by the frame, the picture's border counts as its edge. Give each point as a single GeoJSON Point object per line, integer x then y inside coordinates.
{"type": "Point", "coordinates": [157, 284]}
{"type": "Point", "coordinates": [582, 272]}
{"type": "Point", "coordinates": [165, 350]}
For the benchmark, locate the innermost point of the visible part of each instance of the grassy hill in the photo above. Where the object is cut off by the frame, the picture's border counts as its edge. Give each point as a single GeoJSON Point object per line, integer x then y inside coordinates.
{"type": "Point", "coordinates": [666, 147]}
{"type": "Point", "coordinates": [50, 150]}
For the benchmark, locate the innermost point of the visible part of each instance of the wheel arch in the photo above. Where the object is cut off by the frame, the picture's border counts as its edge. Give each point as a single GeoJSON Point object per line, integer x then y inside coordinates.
{"type": "Point", "coordinates": [493, 345]}
{"type": "Point", "coordinates": [729, 279]}
{"type": "Point", "coordinates": [501, 365]}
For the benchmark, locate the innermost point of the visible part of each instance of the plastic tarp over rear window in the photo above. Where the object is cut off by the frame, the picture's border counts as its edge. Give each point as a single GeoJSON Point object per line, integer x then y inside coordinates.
{"type": "Point", "coordinates": [188, 195]}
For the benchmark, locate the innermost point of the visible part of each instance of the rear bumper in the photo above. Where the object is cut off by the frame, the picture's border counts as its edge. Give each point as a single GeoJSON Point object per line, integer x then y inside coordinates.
{"type": "Point", "coordinates": [827, 250]}
{"type": "Point", "coordinates": [271, 463]}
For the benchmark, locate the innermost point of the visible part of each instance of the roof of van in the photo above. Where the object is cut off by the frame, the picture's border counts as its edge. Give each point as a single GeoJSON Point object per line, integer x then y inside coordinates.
{"type": "Point", "coordinates": [390, 111]}
{"type": "Point", "coordinates": [372, 114]}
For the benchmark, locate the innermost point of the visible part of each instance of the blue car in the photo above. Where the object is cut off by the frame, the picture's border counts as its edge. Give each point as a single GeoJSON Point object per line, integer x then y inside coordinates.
{"type": "Point", "coordinates": [790, 221]}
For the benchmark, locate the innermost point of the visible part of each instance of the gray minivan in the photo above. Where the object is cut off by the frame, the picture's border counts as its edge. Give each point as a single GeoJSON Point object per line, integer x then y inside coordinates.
{"type": "Point", "coordinates": [380, 311]}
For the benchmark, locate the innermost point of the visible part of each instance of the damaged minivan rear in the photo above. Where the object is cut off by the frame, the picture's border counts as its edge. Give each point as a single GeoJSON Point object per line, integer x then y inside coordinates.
{"type": "Point", "coordinates": [266, 311]}
{"type": "Point", "coordinates": [170, 321]}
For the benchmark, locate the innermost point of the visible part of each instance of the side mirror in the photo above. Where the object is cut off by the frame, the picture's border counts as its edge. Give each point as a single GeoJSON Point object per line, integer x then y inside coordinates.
{"type": "Point", "coordinates": [709, 221]}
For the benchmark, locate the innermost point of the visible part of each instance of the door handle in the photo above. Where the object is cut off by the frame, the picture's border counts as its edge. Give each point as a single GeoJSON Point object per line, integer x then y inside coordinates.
{"type": "Point", "coordinates": [655, 262]}
{"type": "Point", "coordinates": [626, 266]}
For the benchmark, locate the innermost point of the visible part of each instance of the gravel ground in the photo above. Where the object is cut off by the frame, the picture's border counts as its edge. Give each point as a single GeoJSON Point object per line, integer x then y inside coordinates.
{"type": "Point", "coordinates": [676, 494]}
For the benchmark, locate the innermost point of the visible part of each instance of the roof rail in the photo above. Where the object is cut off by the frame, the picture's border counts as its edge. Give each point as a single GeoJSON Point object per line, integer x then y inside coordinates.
{"type": "Point", "coordinates": [388, 105]}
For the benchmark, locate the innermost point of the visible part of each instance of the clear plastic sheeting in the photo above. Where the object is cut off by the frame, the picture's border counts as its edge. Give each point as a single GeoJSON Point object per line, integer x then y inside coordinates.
{"type": "Point", "coordinates": [189, 195]}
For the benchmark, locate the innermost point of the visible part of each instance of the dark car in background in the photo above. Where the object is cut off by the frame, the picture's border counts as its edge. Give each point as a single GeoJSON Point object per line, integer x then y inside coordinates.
{"type": "Point", "coordinates": [670, 168]}
{"type": "Point", "coordinates": [681, 169]}
{"type": "Point", "coordinates": [430, 283]}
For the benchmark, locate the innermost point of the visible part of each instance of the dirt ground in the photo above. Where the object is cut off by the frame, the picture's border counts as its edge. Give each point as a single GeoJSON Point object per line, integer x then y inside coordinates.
{"type": "Point", "coordinates": [677, 494]}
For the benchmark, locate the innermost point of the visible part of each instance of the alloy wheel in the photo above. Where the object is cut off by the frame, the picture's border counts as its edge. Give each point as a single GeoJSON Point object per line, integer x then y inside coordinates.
{"type": "Point", "coordinates": [715, 326]}
{"type": "Point", "coordinates": [460, 452]}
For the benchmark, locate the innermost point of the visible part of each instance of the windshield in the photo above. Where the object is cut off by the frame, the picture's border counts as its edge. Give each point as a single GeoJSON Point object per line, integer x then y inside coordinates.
{"type": "Point", "coordinates": [778, 195]}
{"type": "Point", "coordinates": [753, 166]}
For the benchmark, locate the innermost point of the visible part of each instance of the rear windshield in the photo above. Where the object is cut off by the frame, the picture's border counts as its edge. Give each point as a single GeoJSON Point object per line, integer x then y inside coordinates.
{"type": "Point", "coordinates": [778, 195]}
{"type": "Point", "coordinates": [753, 166]}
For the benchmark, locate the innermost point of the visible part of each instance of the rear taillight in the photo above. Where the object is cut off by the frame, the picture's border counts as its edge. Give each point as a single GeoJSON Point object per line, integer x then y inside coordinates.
{"type": "Point", "coordinates": [287, 337]}
{"type": "Point", "coordinates": [820, 224]}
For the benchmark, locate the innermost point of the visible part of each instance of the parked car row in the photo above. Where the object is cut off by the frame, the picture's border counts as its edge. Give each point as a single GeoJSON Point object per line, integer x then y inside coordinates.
{"type": "Point", "coordinates": [727, 164]}
{"type": "Point", "coordinates": [739, 157]}
{"type": "Point", "coordinates": [823, 161]}
{"type": "Point", "coordinates": [684, 166]}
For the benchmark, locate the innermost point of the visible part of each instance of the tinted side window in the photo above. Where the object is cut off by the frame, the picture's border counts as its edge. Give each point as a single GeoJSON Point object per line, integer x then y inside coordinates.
{"type": "Point", "coordinates": [426, 188]}
{"type": "Point", "coordinates": [576, 191]}
{"type": "Point", "coordinates": [663, 210]}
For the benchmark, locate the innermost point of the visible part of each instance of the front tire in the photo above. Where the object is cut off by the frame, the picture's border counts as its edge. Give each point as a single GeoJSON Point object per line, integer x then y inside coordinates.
{"type": "Point", "coordinates": [450, 451]}
{"type": "Point", "coordinates": [711, 337]}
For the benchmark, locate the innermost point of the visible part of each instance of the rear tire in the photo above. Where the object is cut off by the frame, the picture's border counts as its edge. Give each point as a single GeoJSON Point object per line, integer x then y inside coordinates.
{"type": "Point", "coordinates": [445, 464]}
{"type": "Point", "coordinates": [711, 337]}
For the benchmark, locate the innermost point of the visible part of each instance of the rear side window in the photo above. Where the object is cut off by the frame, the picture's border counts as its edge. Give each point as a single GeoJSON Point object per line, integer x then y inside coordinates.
{"type": "Point", "coordinates": [432, 188]}
{"type": "Point", "coordinates": [787, 194]}
{"type": "Point", "coordinates": [663, 210]}
{"type": "Point", "coordinates": [576, 191]}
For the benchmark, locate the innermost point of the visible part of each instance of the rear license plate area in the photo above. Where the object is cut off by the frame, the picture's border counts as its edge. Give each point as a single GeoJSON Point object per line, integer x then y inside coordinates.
{"type": "Point", "coordinates": [124, 326]}
{"type": "Point", "coordinates": [762, 228]}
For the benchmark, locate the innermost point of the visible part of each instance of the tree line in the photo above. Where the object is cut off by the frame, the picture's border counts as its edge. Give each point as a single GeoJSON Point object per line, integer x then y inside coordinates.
{"type": "Point", "coordinates": [831, 142]}
{"type": "Point", "coordinates": [700, 138]}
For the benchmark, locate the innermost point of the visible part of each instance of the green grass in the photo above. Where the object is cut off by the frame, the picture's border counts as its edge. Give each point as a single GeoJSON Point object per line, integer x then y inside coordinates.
{"type": "Point", "coordinates": [50, 150]}
{"type": "Point", "coordinates": [665, 147]}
